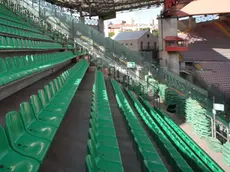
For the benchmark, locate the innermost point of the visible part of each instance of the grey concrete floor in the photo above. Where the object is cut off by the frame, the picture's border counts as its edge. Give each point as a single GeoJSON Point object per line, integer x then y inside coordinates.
{"type": "Point", "coordinates": [69, 148]}
{"type": "Point", "coordinates": [12, 102]}
{"type": "Point", "coordinates": [128, 155]}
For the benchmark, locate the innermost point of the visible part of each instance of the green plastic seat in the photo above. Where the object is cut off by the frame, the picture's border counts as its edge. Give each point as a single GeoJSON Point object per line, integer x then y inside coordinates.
{"type": "Point", "coordinates": [51, 97]}
{"type": "Point", "coordinates": [151, 166]}
{"type": "Point", "coordinates": [4, 76]}
{"type": "Point", "coordinates": [103, 151]}
{"type": "Point", "coordinates": [46, 117]}
{"type": "Point", "coordinates": [13, 70]}
{"type": "Point", "coordinates": [13, 161]}
{"type": "Point", "coordinates": [21, 141]}
{"type": "Point", "coordinates": [107, 140]}
{"type": "Point", "coordinates": [49, 106]}
{"type": "Point", "coordinates": [33, 126]}
{"type": "Point", "coordinates": [99, 164]}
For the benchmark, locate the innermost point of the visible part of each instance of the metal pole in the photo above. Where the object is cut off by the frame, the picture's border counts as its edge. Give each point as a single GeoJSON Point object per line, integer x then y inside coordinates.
{"type": "Point", "coordinates": [214, 118]}
{"type": "Point", "coordinates": [39, 8]}
{"type": "Point", "coordinates": [212, 127]}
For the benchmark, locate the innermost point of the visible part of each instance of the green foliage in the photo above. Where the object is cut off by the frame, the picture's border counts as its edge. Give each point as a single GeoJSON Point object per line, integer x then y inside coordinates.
{"type": "Point", "coordinates": [155, 32]}
{"type": "Point", "coordinates": [111, 34]}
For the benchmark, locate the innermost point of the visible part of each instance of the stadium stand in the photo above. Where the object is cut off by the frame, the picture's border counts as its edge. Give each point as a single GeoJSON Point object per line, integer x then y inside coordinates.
{"type": "Point", "coordinates": [31, 132]}
{"type": "Point", "coordinates": [103, 147]}
{"type": "Point", "coordinates": [206, 42]}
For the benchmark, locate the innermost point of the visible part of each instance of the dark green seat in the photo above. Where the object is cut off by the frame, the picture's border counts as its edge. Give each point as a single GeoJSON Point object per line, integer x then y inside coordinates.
{"type": "Point", "coordinates": [103, 151]}
{"type": "Point", "coordinates": [49, 106]}
{"type": "Point", "coordinates": [102, 164]}
{"type": "Point", "coordinates": [107, 140]}
{"type": "Point", "coordinates": [13, 161]}
{"type": "Point", "coordinates": [21, 141]}
{"type": "Point", "coordinates": [51, 98]}
{"type": "Point", "coordinates": [33, 126]}
{"type": "Point", "coordinates": [4, 75]}
{"type": "Point", "coordinates": [152, 166]}
{"type": "Point", "coordinates": [46, 117]}
{"type": "Point", "coordinates": [13, 69]}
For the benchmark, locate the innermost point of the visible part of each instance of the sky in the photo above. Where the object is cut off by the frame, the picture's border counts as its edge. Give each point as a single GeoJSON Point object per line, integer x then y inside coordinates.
{"type": "Point", "coordinates": [144, 16]}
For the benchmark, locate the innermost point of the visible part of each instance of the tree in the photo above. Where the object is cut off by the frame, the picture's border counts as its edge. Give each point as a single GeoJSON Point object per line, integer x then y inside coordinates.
{"type": "Point", "coordinates": [146, 28]}
{"type": "Point", "coordinates": [155, 32]}
{"type": "Point", "coordinates": [111, 34]}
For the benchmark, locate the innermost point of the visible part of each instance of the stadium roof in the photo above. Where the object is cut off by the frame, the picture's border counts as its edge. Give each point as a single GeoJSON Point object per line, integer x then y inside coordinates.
{"type": "Point", "coordinates": [105, 7]}
{"type": "Point", "coordinates": [201, 7]}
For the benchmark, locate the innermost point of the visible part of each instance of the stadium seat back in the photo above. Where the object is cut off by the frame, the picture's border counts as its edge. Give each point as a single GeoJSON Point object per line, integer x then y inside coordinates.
{"type": "Point", "coordinates": [36, 104]}
{"type": "Point", "coordinates": [91, 164]}
{"type": "Point", "coordinates": [10, 63]}
{"type": "Point", "coordinates": [56, 84]}
{"type": "Point", "coordinates": [14, 126]}
{"type": "Point", "coordinates": [19, 62]}
{"type": "Point", "coordinates": [53, 88]}
{"type": "Point", "coordinates": [48, 92]}
{"type": "Point", "coordinates": [43, 97]}
{"type": "Point", "coordinates": [92, 148]}
{"type": "Point", "coordinates": [3, 67]}
{"type": "Point", "coordinates": [4, 142]}
{"type": "Point", "coordinates": [26, 113]}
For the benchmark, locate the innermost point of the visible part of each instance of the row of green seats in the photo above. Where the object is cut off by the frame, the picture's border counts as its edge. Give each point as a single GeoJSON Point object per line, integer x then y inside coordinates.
{"type": "Point", "coordinates": [146, 153]}
{"type": "Point", "coordinates": [23, 33]}
{"type": "Point", "coordinates": [192, 159]}
{"type": "Point", "coordinates": [8, 15]}
{"type": "Point", "coordinates": [172, 156]}
{"type": "Point", "coordinates": [17, 43]}
{"type": "Point", "coordinates": [12, 69]}
{"type": "Point", "coordinates": [103, 150]}
{"type": "Point", "coordinates": [18, 25]}
{"type": "Point", "coordinates": [197, 150]}
{"type": "Point", "coordinates": [29, 134]}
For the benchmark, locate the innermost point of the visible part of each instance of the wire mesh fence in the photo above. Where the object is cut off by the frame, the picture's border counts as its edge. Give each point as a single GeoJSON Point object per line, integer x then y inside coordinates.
{"type": "Point", "coordinates": [85, 32]}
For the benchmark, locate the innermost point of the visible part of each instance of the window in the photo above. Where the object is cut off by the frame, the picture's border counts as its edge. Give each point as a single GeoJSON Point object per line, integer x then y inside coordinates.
{"type": "Point", "coordinates": [148, 46]}
{"type": "Point", "coordinates": [147, 35]}
{"type": "Point", "coordinates": [141, 45]}
{"type": "Point", "coordinates": [126, 44]}
{"type": "Point", "coordinates": [131, 43]}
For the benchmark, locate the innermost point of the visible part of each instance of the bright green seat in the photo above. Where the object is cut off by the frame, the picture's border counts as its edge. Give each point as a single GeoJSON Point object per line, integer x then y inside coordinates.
{"type": "Point", "coordinates": [13, 161]}
{"type": "Point", "coordinates": [101, 121]}
{"type": "Point", "coordinates": [103, 151]}
{"type": "Point", "coordinates": [4, 75]}
{"type": "Point", "coordinates": [107, 140]}
{"type": "Point", "coordinates": [51, 98]}
{"type": "Point", "coordinates": [49, 106]}
{"type": "Point", "coordinates": [33, 126]}
{"type": "Point", "coordinates": [12, 70]}
{"type": "Point", "coordinates": [21, 141]}
{"type": "Point", "coordinates": [107, 130]}
{"type": "Point", "coordinates": [151, 166]}
{"type": "Point", "coordinates": [46, 117]}
{"type": "Point", "coordinates": [20, 65]}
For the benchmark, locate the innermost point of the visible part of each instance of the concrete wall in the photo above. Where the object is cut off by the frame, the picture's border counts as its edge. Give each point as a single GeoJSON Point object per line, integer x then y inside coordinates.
{"type": "Point", "coordinates": [135, 44]}
{"type": "Point", "coordinates": [131, 44]}
{"type": "Point", "coordinates": [168, 27]}
{"type": "Point", "coordinates": [145, 39]}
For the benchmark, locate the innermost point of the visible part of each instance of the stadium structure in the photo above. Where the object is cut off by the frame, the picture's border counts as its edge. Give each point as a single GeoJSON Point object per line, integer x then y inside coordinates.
{"type": "Point", "coordinates": [74, 100]}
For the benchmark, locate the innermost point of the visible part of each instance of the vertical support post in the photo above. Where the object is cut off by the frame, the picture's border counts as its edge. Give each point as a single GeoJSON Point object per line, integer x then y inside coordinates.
{"type": "Point", "coordinates": [212, 127]}
{"type": "Point", "coordinates": [39, 8]}
{"type": "Point", "coordinates": [214, 118]}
